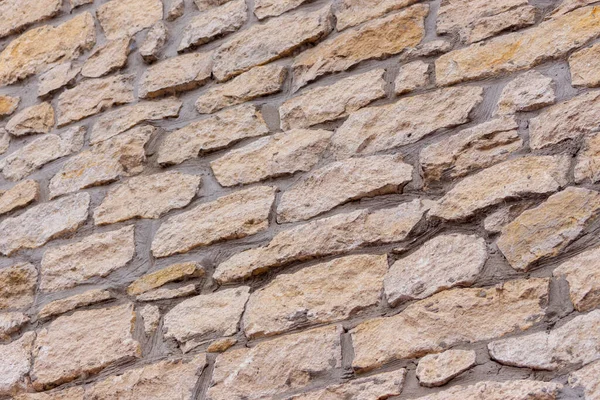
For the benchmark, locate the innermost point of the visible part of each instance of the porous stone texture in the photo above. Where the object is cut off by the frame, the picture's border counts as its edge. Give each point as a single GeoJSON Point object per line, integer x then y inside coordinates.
{"type": "Point", "coordinates": [106, 59]}
{"type": "Point", "coordinates": [587, 378]}
{"type": "Point", "coordinates": [163, 276]}
{"type": "Point", "coordinates": [11, 322]}
{"type": "Point", "coordinates": [508, 390]}
{"type": "Point", "coordinates": [527, 92]}
{"type": "Point", "coordinates": [8, 104]}
{"type": "Point", "coordinates": [16, 364]}
{"type": "Point", "coordinates": [165, 294]}
{"type": "Point", "coordinates": [62, 306]}
{"type": "Point", "coordinates": [582, 272]}
{"type": "Point", "coordinates": [18, 196]}
{"type": "Point", "coordinates": [353, 12]}
{"type": "Point", "coordinates": [18, 286]}
{"type": "Point", "coordinates": [34, 119]}
{"type": "Point", "coordinates": [438, 369]}
{"type": "Point", "coordinates": [411, 76]}
{"type": "Point", "coordinates": [153, 44]}
{"type": "Point", "coordinates": [18, 14]}
{"type": "Point", "coordinates": [151, 316]}
{"type": "Point", "coordinates": [120, 18]}
{"type": "Point", "coordinates": [587, 165]}
{"type": "Point", "coordinates": [57, 77]}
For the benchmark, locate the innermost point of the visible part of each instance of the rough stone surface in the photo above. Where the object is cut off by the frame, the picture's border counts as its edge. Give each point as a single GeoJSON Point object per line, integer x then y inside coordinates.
{"type": "Point", "coordinates": [4, 141]}
{"type": "Point", "coordinates": [62, 306]}
{"type": "Point", "coordinates": [587, 378]}
{"type": "Point", "coordinates": [57, 77]}
{"type": "Point", "coordinates": [323, 293]}
{"type": "Point", "coordinates": [327, 103]}
{"type": "Point", "coordinates": [163, 276]}
{"type": "Point", "coordinates": [340, 182]}
{"type": "Point", "coordinates": [106, 59]}
{"type": "Point", "coordinates": [583, 274]}
{"type": "Point", "coordinates": [442, 263]}
{"type": "Point", "coordinates": [283, 153]}
{"type": "Point", "coordinates": [18, 14]}
{"type": "Point", "coordinates": [221, 345]}
{"type": "Point", "coordinates": [375, 39]}
{"type": "Point", "coordinates": [272, 8]}
{"type": "Point", "coordinates": [18, 196]}
{"type": "Point", "coordinates": [259, 81]}
{"type": "Point", "coordinates": [153, 44]}
{"type": "Point", "coordinates": [204, 5]}
{"type": "Point", "coordinates": [85, 342]}
{"type": "Point", "coordinates": [151, 316]}
{"type": "Point", "coordinates": [8, 104]}
{"type": "Point", "coordinates": [354, 12]}
{"type": "Point", "coordinates": [15, 365]}
{"type": "Point", "coordinates": [581, 66]}
{"type": "Point", "coordinates": [438, 369]}
{"type": "Point", "coordinates": [176, 10]}
{"type": "Point", "coordinates": [374, 129]}
{"type": "Point", "coordinates": [412, 76]}
{"type": "Point", "coordinates": [508, 390]}
{"type": "Point", "coordinates": [17, 286]}
{"type": "Point", "coordinates": [510, 179]}
{"type": "Point", "coordinates": [503, 216]}
{"type": "Point", "coordinates": [165, 294]}
{"type": "Point", "coordinates": [587, 165]}
{"type": "Point", "coordinates": [96, 255]}
{"type": "Point", "coordinates": [42, 223]}
{"type": "Point", "coordinates": [328, 236]}
{"type": "Point", "coordinates": [126, 17]}
{"type": "Point", "coordinates": [276, 366]}
{"type": "Point", "coordinates": [234, 216]}
{"type": "Point", "coordinates": [448, 318]}
{"type": "Point", "coordinates": [527, 92]}
{"type": "Point", "coordinates": [11, 322]}
{"type": "Point", "coordinates": [34, 119]}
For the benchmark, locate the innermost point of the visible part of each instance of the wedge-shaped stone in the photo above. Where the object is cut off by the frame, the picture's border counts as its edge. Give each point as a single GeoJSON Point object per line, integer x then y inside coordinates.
{"type": "Point", "coordinates": [149, 196]}
{"type": "Point", "coordinates": [340, 182]}
{"type": "Point", "coordinates": [176, 74]}
{"type": "Point", "coordinates": [96, 255]}
{"type": "Point", "coordinates": [207, 316]}
{"type": "Point", "coordinates": [443, 262]}
{"type": "Point", "coordinates": [62, 306]}
{"type": "Point", "coordinates": [326, 292]}
{"type": "Point", "coordinates": [374, 129]}
{"type": "Point", "coordinates": [18, 14]}
{"type": "Point", "coordinates": [126, 17]}
{"type": "Point", "coordinates": [273, 8]}
{"type": "Point", "coordinates": [240, 214]}
{"type": "Point", "coordinates": [259, 81]}
{"type": "Point", "coordinates": [155, 41]}
{"type": "Point", "coordinates": [576, 342]}
{"type": "Point", "coordinates": [581, 65]}
{"type": "Point", "coordinates": [412, 76]}
{"type": "Point", "coordinates": [42, 223]}
{"type": "Point", "coordinates": [123, 155]}
{"type": "Point", "coordinates": [587, 378]}
{"type": "Point", "coordinates": [18, 196]}
{"type": "Point", "coordinates": [471, 149]}
{"type": "Point", "coordinates": [263, 43]}
{"type": "Point", "coordinates": [118, 121]}
{"type": "Point", "coordinates": [327, 103]}
{"type": "Point", "coordinates": [380, 386]}
{"type": "Point", "coordinates": [438, 369]}
{"type": "Point", "coordinates": [83, 343]}
{"type": "Point", "coordinates": [57, 77]}
{"type": "Point", "coordinates": [15, 365]}
{"type": "Point", "coordinates": [17, 286]}
{"type": "Point", "coordinates": [40, 47]}
{"type": "Point", "coordinates": [11, 322]}
{"type": "Point", "coordinates": [587, 165]}
{"type": "Point", "coordinates": [175, 272]}
{"type": "Point", "coordinates": [520, 50]}
{"type": "Point", "coordinates": [527, 92]}
{"type": "Point", "coordinates": [213, 133]}
{"type": "Point", "coordinates": [375, 39]}
{"type": "Point", "coordinates": [508, 390]}
{"type": "Point", "coordinates": [583, 274]}
{"type": "Point", "coordinates": [328, 236]}
{"type": "Point", "coordinates": [353, 12]}
{"type": "Point", "coordinates": [34, 119]}
{"type": "Point", "coordinates": [448, 318]}
{"type": "Point", "coordinates": [510, 179]}
{"type": "Point", "coordinates": [163, 294]}
{"type": "Point", "coordinates": [543, 232]}
{"type": "Point", "coordinates": [209, 25]}
{"type": "Point", "coordinates": [273, 156]}
{"type": "Point", "coordinates": [270, 368]}
{"type": "Point", "coordinates": [8, 104]}
{"type": "Point", "coordinates": [106, 59]}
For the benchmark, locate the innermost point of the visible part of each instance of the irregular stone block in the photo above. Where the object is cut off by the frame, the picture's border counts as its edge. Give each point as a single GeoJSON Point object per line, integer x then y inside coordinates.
{"type": "Point", "coordinates": [508, 390]}
{"type": "Point", "coordinates": [172, 273]}
{"type": "Point", "coordinates": [18, 14]}
{"type": "Point", "coordinates": [204, 5]}
{"type": "Point", "coordinates": [4, 141]}
{"type": "Point", "coordinates": [15, 365]}
{"type": "Point", "coordinates": [587, 378]}
{"type": "Point", "coordinates": [126, 17]}
{"type": "Point", "coordinates": [11, 322]}
{"type": "Point", "coordinates": [165, 294]}
{"type": "Point", "coordinates": [155, 40]}
{"type": "Point", "coordinates": [273, 8]}
{"type": "Point", "coordinates": [583, 274]}
{"type": "Point", "coordinates": [353, 12]}
{"type": "Point", "coordinates": [65, 305]}
{"type": "Point", "coordinates": [587, 164]}
{"type": "Point", "coordinates": [527, 92]}
{"type": "Point", "coordinates": [17, 286]}
{"type": "Point", "coordinates": [8, 104]}
{"type": "Point", "coordinates": [34, 119]}
{"type": "Point", "coordinates": [106, 59]}
{"type": "Point", "coordinates": [57, 77]}
{"type": "Point", "coordinates": [412, 76]}
{"type": "Point", "coordinates": [438, 369]}
{"type": "Point", "coordinates": [176, 10]}
{"type": "Point", "coordinates": [151, 316]}
{"type": "Point", "coordinates": [18, 196]}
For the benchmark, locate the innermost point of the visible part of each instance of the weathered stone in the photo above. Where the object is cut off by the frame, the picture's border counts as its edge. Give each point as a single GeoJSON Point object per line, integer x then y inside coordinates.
{"type": "Point", "coordinates": [412, 76]}
{"type": "Point", "coordinates": [270, 368]}
{"type": "Point", "coordinates": [151, 316]}
{"type": "Point", "coordinates": [19, 14]}
{"type": "Point", "coordinates": [153, 44]}
{"type": "Point", "coordinates": [374, 129]}
{"type": "Point", "coordinates": [204, 5]}
{"type": "Point", "coordinates": [176, 10]}
{"type": "Point", "coordinates": [527, 92]}
{"type": "Point", "coordinates": [323, 293]}
{"type": "Point", "coordinates": [520, 50]}
{"type": "Point", "coordinates": [83, 343]}
{"type": "Point", "coordinates": [543, 232]}
{"type": "Point", "coordinates": [15, 365]}
{"type": "Point", "coordinates": [583, 274]}
{"type": "Point", "coordinates": [214, 23]}
{"type": "Point", "coordinates": [576, 342]}
{"type": "Point", "coordinates": [126, 17]}
{"type": "Point", "coordinates": [164, 294]}
{"type": "Point", "coordinates": [263, 43]}
{"type": "Point", "coordinates": [41, 151]}
{"type": "Point", "coordinates": [587, 378]}
{"type": "Point", "coordinates": [8, 104]}
{"type": "Point", "coordinates": [583, 72]}
{"type": "Point", "coordinates": [172, 273]}
{"type": "Point", "coordinates": [510, 179]}
{"type": "Point", "coordinates": [273, 156]}
{"type": "Point", "coordinates": [376, 39]}
{"type": "Point", "coordinates": [4, 141]}
{"type": "Point", "coordinates": [118, 121]}
{"type": "Point", "coordinates": [375, 387]}
{"type": "Point", "coordinates": [34, 119]}
{"type": "Point", "coordinates": [426, 49]}
{"type": "Point", "coordinates": [471, 149]}
{"type": "Point", "coordinates": [237, 215]}
{"type": "Point", "coordinates": [11, 322]}
{"type": "Point", "coordinates": [17, 286]}
{"type": "Point", "coordinates": [65, 305]}
{"type": "Point", "coordinates": [33, 51]}
{"type": "Point", "coordinates": [438, 369]}
{"type": "Point", "coordinates": [57, 77]}
{"type": "Point", "coordinates": [213, 133]}
{"type": "Point", "coordinates": [93, 96]}
{"type": "Point", "coordinates": [513, 19]}
{"type": "Point", "coordinates": [106, 59]}
{"type": "Point", "coordinates": [259, 81]}
{"type": "Point", "coordinates": [96, 255]}
{"type": "Point", "coordinates": [340, 182]}
{"type": "Point", "coordinates": [328, 236]}
{"type": "Point", "coordinates": [205, 316]}
{"type": "Point", "coordinates": [77, 3]}
{"type": "Point", "coordinates": [327, 103]}
{"type": "Point", "coordinates": [443, 262]}
{"type": "Point", "coordinates": [448, 318]}
{"type": "Point", "coordinates": [123, 155]}
{"type": "Point", "coordinates": [566, 6]}
{"type": "Point", "coordinates": [72, 393]}
{"type": "Point", "coordinates": [274, 8]}
{"type": "Point", "coordinates": [353, 12]}
{"type": "Point", "coordinates": [587, 165]}
{"type": "Point", "coordinates": [20, 195]}
{"type": "Point", "coordinates": [508, 390]}
{"type": "Point", "coordinates": [501, 217]}
{"type": "Point", "coordinates": [42, 223]}
{"type": "Point", "coordinates": [148, 196]}
{"type": "Point", "coordinates": [221, 345]}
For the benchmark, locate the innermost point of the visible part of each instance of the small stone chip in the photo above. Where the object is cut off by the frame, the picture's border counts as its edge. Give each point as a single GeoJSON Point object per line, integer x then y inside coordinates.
{"type": "Point", "coordinates": [412, 76]}
{"type": "Point", "coordinates": [438, 369]}
{"type": "Point", "coordinates": [151, 316]}
{"type": "Point", "coordinates": [155, 40]}
{"type": "Point", "coordinates": [172, 273]}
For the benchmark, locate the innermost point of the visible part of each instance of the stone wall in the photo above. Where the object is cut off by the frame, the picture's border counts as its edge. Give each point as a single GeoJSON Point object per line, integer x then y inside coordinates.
{"type": "Point", "coordinates": [295, 199]}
